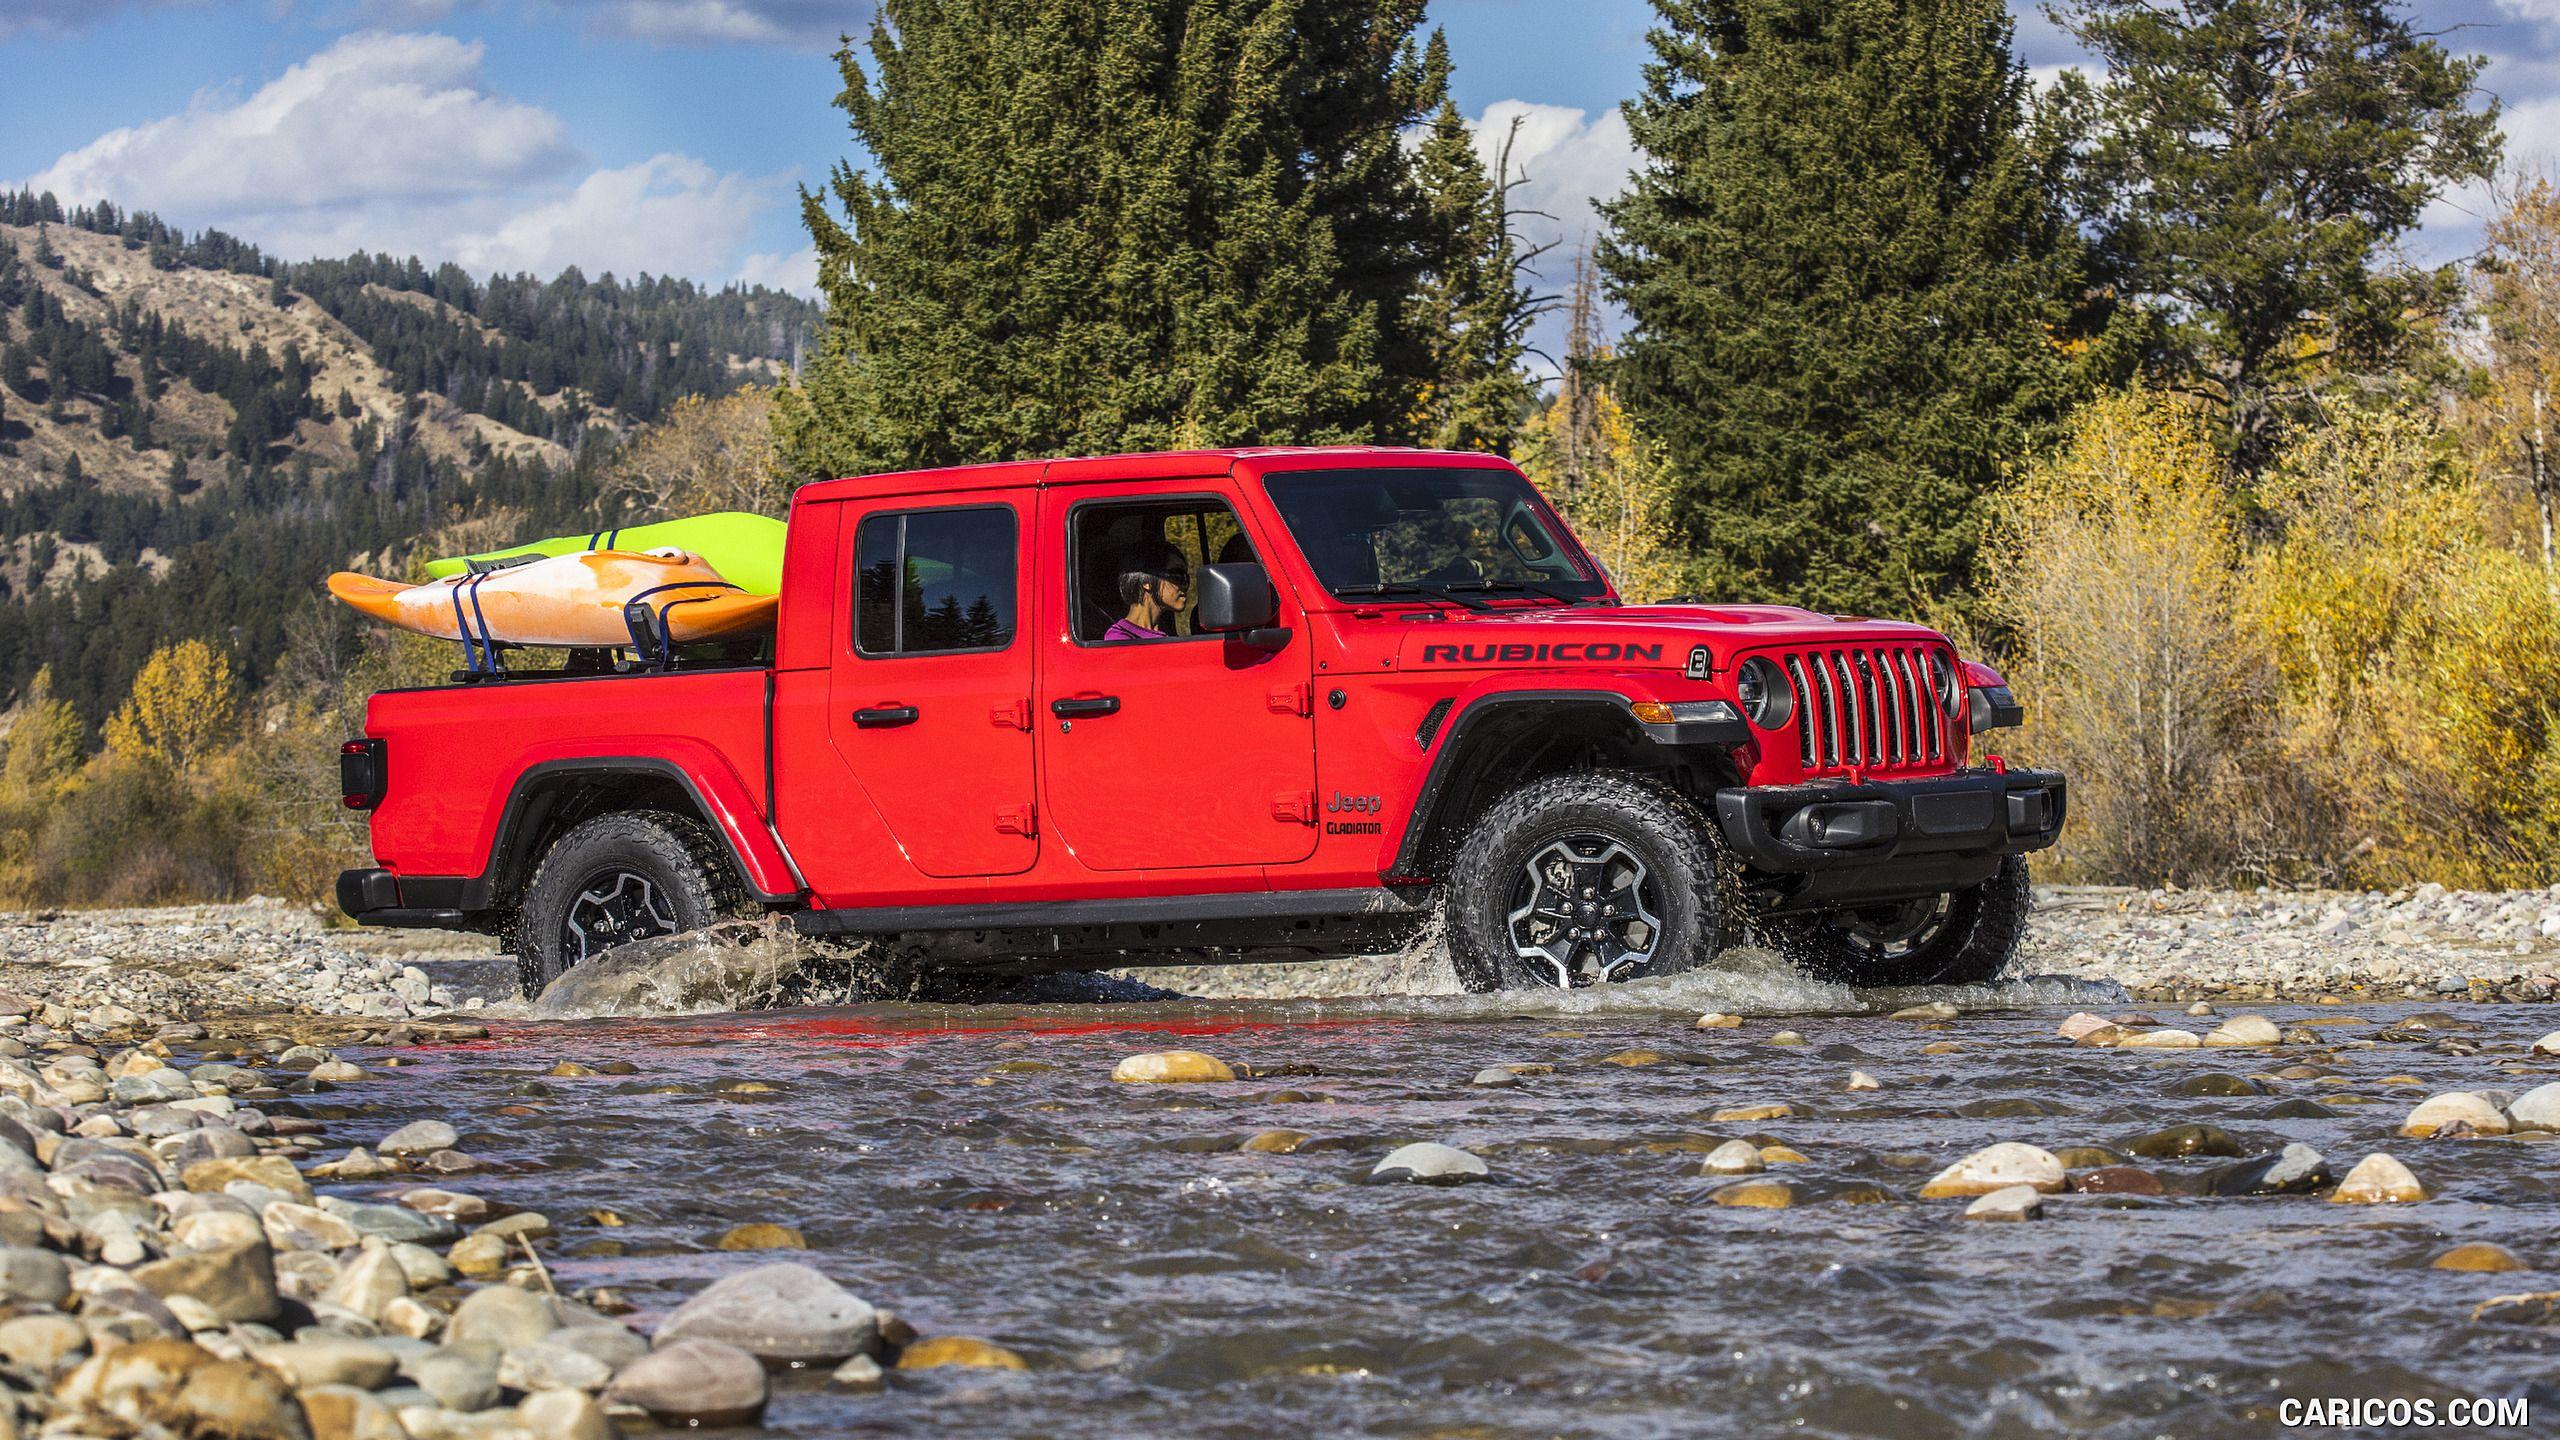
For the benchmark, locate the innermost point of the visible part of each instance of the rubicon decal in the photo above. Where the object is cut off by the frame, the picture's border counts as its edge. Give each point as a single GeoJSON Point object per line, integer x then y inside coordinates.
{"type": "Point", "coordinates": [1518, 653]}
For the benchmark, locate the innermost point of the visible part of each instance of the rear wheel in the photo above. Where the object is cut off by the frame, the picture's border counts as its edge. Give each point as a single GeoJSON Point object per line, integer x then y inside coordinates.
{"type": "Point", "coordinates": [616, 879]}
{"type": "Point", "coordinates": [1585, 879]}
{"type": "Point", "coordinates": [1965, 938]}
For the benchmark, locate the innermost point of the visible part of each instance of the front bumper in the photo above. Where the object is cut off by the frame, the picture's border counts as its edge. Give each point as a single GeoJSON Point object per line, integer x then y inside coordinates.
{"type": "Point", "coordinates": [1835, 825]}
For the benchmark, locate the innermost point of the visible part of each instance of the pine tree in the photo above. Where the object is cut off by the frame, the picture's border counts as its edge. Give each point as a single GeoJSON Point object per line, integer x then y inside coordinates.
{"type": "Point", "coordinates": [1143, 224]}
{"type": "Point", "coordinates": [1474, 310]}
{"type": "Point", "coordinates": [2252, 163]}
{"type": "Point", "coordinates": [1845, 271]}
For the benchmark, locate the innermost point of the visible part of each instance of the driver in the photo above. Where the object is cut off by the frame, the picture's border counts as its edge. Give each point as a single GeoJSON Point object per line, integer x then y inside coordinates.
{"type": "Point", "coordinates": [1155, 583]}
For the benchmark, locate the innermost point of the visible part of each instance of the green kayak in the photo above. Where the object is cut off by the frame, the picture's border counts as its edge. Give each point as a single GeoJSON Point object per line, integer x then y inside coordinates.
{"type": "Point", "coordinates": [746, 549]}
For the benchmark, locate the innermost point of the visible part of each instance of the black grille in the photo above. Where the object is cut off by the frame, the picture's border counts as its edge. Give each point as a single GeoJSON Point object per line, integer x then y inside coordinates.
{"type": "Point", "coordinates": [1431, 719]}
{"type": "Point", "coordinates": [1867, 706]}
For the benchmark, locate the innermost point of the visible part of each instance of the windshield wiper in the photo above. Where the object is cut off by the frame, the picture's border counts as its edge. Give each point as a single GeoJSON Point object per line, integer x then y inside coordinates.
{"type": "Point", "coordinates": [1532, 586]}
{"type": "Point", "coordinates": [1430, 592]}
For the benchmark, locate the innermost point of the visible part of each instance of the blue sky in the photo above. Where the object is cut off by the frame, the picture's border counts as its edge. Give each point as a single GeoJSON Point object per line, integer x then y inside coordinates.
{"type": "Point", "coordinates": [669, 135]}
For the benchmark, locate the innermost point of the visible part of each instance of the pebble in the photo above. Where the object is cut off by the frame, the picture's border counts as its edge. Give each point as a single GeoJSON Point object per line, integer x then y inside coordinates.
{"type": "Point", "coordinates": [1427, 1162]}
{"type": "Point", "coordinates": [2478, 1257]}
{"type": "Point", "coordinates": [323, 1359]}
{"type": "Point", "coordinates": [420, 1137]}
{"type": "Point", "coordinates": [1861, 1080]}
{"type": "Point", "coordinates": [2456, 1112]}
{"type": "Point", "coordinates": [861, 1374]}
{"type": "Point", "coordinates": [1168, 1067]}
{"type": "Point", "coordinates": [2160, 1040]}
{"type": "Point", "coordinates": [761, 1236]}
{"type": "Point", "coordinates": [1787, 1037]}
{"type": "Point", "coordinates": [958, 1350]}
{"type": "Point", "coordinates": [694, 1383]}
{"type": "Point", "coordinates": [2245, 1030]}
{"type": "Point", "coordinates": [1733, 1157]}
{"type": "Point", "coordinates": [1633, 1058]}
{"type": "Point", "coordinates": [1275, 1142]}
{"type": "Point", "coordinates": [1495, 1077]}
{"type": "Point", "coordinates": [502, 1316]}
{"type": "Point", "coordinates": [2080, 1025]}
{"type": "Point", "coordinates": [1746, 1114]}
{"type": "Point", "coordinates": [785, 1312]}
{"type": "Point", "coordinates": [1718, 1020]}
{"type": "Point", "coordinates": [562, 1415]}
{"type": "Point", "coordinates": [2010, 1202]}
{"type": "Point", "coordinates": [1998, 1167]}
{"type": "Point", "coordinates": [2378, 1179]}
{"type": "Point", "coordinates": [1756, 1195]}
{"type": "Point", "coordinates": [2548, 1044]}
{"type": "Point", "coordinates": [2296, 1170]}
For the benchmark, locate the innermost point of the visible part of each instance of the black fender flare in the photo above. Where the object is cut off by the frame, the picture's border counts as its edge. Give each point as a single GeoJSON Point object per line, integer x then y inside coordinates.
{"type": "Point", "coordinates": [529, 802]}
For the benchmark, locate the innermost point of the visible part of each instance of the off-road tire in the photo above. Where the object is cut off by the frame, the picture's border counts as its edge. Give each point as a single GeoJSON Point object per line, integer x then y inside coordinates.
{"type": "Point", "coordinates": [677, 855]}
{"type": "Point", "coordinates": [1977, 939]}
{"type": "Point", "coordinates": [1676, 842]}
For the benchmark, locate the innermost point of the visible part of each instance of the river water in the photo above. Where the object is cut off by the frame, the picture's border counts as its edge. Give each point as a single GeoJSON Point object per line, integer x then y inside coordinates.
{"type": "Point", "coordinates": [974, 1169]}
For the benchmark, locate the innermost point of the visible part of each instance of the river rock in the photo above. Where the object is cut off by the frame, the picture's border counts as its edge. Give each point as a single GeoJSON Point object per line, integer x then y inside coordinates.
{"type": "Point", "coordinates": [237, 1400]}
{"type": "Point", "coordinates": [2296, 1170]}
{"type": "Point", "coordinates": [1997, 1167]}
{"type": "Point", "coordinates": [694, 1383]}
{"type": "Point", "coordinates": [2245, 1030]}
{"type": "Point", "coordinates": [2536, 1109]}
{"type": "Point", "coordinates": [958, 1350]}
{"type": "Point", "coordinates": [1930, 1010]}
{"type": "Point", "coordinates": [1861, 1080]}
{"type": "Point", "coordinates": [460, 1377]}
{"type": "Point", "coordinates": [2478, 1257]}
{"type": "Point", "coordinates": [786, 1312]}
{"type": "Point", "coordinates": [369, 1282]}
{"type": "Point", "coordinates": [270, 1172]}
{"type": "Point", "coordinates": [1750, 1114]}
{"type": "Point", "coordinates": [343, 1412]}
{"type": "Point", "coordinates": [289, 1226]}
{"type": "Point", "coordinates": [2163, 1039]}
{"type": "Point", "coordinates": [2010, 1202]}
{"type": "Point", "coordinates": [2455, 1112]}
{"type": "Point", "coordinates": [1274, 1142]}
{"type": "Point", "coordinates": [613, 1344]}
{"type": "Point", "coordinates": [1733, 1157]}
{"type": "Point", "coordinates": [501, 1315]}
{"type": "Point", "coordinates": [544, 1365]}
{"type": "Point", "coordinates": [420, 1137]}
{"type": "Point", "coordinates": [2378, 1179]}
{"type": "Point", "coordinates": [2082, 1024]}
{"type": "Point", "coordinates": [1755, 1195]}
{"type": "Point", "coordinates": [564, 1415]}
{"type": "Point", "coordinates": [2117, 1180]}
{"type": "Point", "coordinates": [237, 1281]}
{"type": "Point", "coordinates": [2180, 1140]}
{"type": "Point", "coordinates": [1171, 1067]}
{"type": "Point", "coordinates": [1426, 1162]}
{"type": "Point", "coordinates": [2548, 1044]}
{"type": "Point", "coordinates": [319, 1358]}
{"type": "Point", "coordinates": [29, 1276]}
{"type": "Point", "coordinates": [41, 1343]}
{"type": "Point", "coordinates": [861, 1374]}
{"type": "Point", "coordinates": [479, 1256]}
{"type": "Point", "coordinates": [760, 1236]}
{"type": "Point", "coordinates": [1495, 1077]}
{"type": "Point", "coordinates": [1718, 1020]}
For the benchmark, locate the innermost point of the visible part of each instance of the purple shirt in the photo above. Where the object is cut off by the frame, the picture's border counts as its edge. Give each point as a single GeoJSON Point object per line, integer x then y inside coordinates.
{"type": "Point", "coordinates": [1126, 629]}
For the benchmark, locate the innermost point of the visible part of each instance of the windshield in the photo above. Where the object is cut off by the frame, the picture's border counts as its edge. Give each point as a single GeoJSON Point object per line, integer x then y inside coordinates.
{"type": "Point", "coordinates": [1464, 534]}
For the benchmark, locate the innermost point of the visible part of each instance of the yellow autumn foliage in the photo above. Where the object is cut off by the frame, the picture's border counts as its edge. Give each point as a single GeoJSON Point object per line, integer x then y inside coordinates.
{"type": "Point", "coordinates": [1611, 484]}
{"type": "Point", "coordinates": [183, 705]}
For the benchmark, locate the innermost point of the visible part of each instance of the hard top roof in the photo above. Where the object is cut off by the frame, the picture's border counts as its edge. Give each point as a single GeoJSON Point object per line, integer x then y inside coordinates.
{"type": "Point", "coordinates": [1145, 465]}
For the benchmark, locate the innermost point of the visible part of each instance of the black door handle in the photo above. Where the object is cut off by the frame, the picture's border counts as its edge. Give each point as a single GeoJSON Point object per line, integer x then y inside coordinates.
{"type": "Point", "coordinates": [1091, 705]}
{"type": "Point", "coordinates": [885, 716]}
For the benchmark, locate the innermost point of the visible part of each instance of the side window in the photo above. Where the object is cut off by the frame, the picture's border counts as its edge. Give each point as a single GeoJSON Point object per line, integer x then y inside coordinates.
{"type": "Point", "coordinates": [934, 581]}
{"type": "Point", "coordinates": [1131, 581]}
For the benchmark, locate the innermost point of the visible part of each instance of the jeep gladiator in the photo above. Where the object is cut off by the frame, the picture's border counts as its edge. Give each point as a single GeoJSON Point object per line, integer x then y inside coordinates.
{"type": "Point", "coordinates": [1390, 686]}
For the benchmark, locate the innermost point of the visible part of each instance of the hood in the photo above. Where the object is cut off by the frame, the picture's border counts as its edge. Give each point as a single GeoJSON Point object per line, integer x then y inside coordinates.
{"type": "Point", "coordinates": [1625, 636]}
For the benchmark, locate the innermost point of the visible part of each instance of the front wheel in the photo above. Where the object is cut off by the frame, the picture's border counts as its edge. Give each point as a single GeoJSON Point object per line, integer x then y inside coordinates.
{"type": "Point", "coordinates": [615, 879]}
{"type": "Point", "coordinates": [1585, 879]}
{"type": "Point", "coordinates": [1964, 938]}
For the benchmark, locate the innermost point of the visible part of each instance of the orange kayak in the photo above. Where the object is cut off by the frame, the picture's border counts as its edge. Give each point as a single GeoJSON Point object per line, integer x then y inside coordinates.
{"type": "Point", "coordinates": [568, 600]}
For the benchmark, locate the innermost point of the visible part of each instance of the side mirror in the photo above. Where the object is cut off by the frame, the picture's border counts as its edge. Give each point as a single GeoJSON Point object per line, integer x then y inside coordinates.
{"type": "Point", "coordinates": [1237, 601]}
{"type": "Point", "coordinates": [1236, 597]}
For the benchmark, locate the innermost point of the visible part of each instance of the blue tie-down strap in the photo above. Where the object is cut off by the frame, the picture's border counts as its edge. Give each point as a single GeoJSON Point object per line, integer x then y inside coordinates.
{"type": "Point", "coordinates": [479, 651]}
{"type": "Point", "coordinates": [651, 634]}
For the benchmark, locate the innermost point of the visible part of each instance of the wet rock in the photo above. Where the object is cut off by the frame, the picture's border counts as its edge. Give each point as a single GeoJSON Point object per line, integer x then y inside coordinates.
{"type": "Point", "coordinates": [1787, 1037]}
{"type": "Point", "coordinates": [420, 1137]}
{"type": "Point", "coordinates": [1733, 1157]}
{"type": "Point", "coordinates": [1633, 1058]}
{"type": "Point", "coordinates": [2245, 1030]}
{"type": "Point", "coordinates": [2299, 1110]}
{"type": "Point", "coordinates": [564, 1415]}
{"type": "Point", "coordinates": [609, 1343]}
{"type": "Point", "coordinates": [1997, 1167]}
{"type": "Point", "coordinates": [761, 1236]}
{"type": "Point", "coordinates": [2011, 1202]}
{"type": "Point", "coordinates": [2477, 1257]}
{"type": "Point", "coordinates": [460, 1377]}
{"type": "Point", "coordinates": [2456, 1112]}
{"type": "Point", "coordinates": [1861, 1080]}
{"type": "Point", "coordinates": [290, 1226]}
{"type": "Point", "coordinates": [2081, 1025]}
{"type": "Point", "coordinates": [2180, 1140]}
{"type": "Point", "coordinates": [390, 1222]}
{"type": "Point", "coordinates": [337, 1072]}
{"type": "Point", "coordinates": [2378, 1179]}
{"type": "Point", "coordinates": [2548, 1044]}
{"type": "Point", "coordinates": [503, 1316]}
{"type": "Point", "coordinates": [2536, 1109]}
{"type": "Point", "coordinates": [319, 1358]}
{"type": "Point", "coordinates": [1718, 1020]}
{"type": "Point", "coordinates": [694, 1383]}
{"type": "Point", "coordinates": [1274, 1142]}
{"type": "Point", "coordinates": [1748, 1114]}
{"type": "Point", "coordinates": [1756, 1195]}
{"type": "Point", "coordinates": [2104, 1037]}
{"type": "Point", "coordinates": [2160, 1040]}
{"type": "Point", "coordinates": [357, 1164]}
{"type": "Point", "coordinates": [861, 1375]}
{"type": "Point", "coordinates": [2087, 1157]}
{"type": "Point", "coordinates": [478, 1256]}
{"type": "Point", "coordinates": [267, 1172]}
{"type": "Point", "coordinates": [1495, 1077]}
{"type": "Point", "coordinates": [1428, 1163]}
{"type": "Point", "coordinates": [545, 1365]}
{"type": "Point", "coordinates": [2117, 1180]}
{"type": "Point", "coordinates": [960, 1350]}
{"type": "Point", "coordinates": [237, 1281]}
{"type": "Point", "coordinates": [369, 1282]}
{"type": "Point", "coordinates": [1932, 1010]}
{"type": "Point", "coordinates": [1171, 1067]}
{"type": "Point", "coordinates": [29, 1276]}
{"type": "Point", "coordinates": [1782, 1155]}
{"type": "Point", "coordinates": [2296, 1170]}
{"type": "Point", "coordinates": [785, 1312]}
{"type": "Point", "coordinates": [2207, 1087]}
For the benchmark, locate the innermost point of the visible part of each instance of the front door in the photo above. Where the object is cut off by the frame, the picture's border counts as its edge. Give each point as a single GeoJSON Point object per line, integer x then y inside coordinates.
{"type": "Point", "coordinates": [929, 699]}
{"type": "Point", "coordinates": [1162, 748]}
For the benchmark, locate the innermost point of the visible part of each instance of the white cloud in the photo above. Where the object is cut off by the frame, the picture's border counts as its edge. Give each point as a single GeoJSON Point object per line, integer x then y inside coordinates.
{"type": "Point", "coordinates": [1562, 161]}
{"type": "Point", "coordinates": [796, 271]}
{"type": "Point", "coordinates": [395, 142]}
{"type": "Point", "coordinates": [376, 115]}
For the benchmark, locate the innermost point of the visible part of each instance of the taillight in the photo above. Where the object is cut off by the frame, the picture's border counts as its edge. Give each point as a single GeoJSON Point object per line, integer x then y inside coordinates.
{"type": "Point", "coordinates": [364, 773]}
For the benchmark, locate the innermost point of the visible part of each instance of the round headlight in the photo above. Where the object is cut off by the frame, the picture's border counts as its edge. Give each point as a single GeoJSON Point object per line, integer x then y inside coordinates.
{"type": "Point", "coordinates": [1942, 677]}
{"type": "Point", "coordinates": [1763, 690]}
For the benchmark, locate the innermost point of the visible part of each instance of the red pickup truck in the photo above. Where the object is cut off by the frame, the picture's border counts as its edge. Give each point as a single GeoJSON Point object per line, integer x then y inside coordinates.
{"type": "Point", "coordinates": [1234, 704]}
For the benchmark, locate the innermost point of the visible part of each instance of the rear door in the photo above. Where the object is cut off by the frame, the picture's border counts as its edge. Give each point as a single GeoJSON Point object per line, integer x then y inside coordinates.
{"type": "Point", "coordinates": [1186, 752]}
{"type": "Point", "coordinates": [930, 691]}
